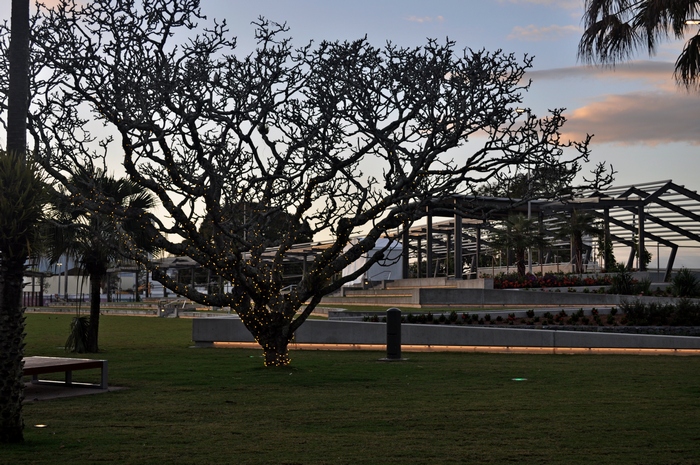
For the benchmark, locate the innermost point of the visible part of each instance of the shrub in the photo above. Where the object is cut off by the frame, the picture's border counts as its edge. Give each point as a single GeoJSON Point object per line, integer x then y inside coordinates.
{"type": "Point", "coordinates": [687, 313]}
{"type": "Point", "coordinates": [530, 313]}
{"type": "Point", "coordinates": [652, 314]}
{"type": "Point", "coordinates": [78, 336]}
{"type": "Point", "coordinates": [622, 283]}
{"type": "Point", "coordinates": [643, 287]}
{"type": "Point", "coordinates": [685, 284]}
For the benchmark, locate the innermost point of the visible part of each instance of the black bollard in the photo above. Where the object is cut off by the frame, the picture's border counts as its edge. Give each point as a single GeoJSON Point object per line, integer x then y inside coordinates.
{"type": "Point", "coordinates": [393, 334]}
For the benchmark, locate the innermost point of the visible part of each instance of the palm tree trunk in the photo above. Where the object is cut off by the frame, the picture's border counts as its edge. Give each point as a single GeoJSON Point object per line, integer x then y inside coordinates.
{"type": "Point", "coordinates": [520, 261]}
{"type": "Point", "coordinates": [11, 351]}
{"type": "Point", "coordinates": [18, 95]}
{"type": "Point", "coordinates": [11, 271]}
{"type": "Point", "coordinates": [94, 328]}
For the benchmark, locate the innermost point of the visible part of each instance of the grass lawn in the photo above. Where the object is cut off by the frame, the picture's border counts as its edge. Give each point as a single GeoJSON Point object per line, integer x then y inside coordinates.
{"type": "Point", "coordinates": [217, 406]}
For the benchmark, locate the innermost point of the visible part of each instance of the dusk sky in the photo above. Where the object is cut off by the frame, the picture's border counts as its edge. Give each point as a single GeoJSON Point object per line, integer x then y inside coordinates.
{"type": "Point", "coordinates": [643, 124]}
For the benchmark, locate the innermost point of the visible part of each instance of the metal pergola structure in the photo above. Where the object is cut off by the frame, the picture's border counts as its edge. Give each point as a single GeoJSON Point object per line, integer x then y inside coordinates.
{"type": "Point", "coordinates": [661, 212]}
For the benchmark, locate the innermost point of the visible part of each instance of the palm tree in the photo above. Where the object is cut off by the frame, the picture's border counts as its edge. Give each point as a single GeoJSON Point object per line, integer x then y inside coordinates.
{"type": "Point", "coordinates": [575, 227]}
{"type": "Point", "coordinates": [615, 29]}
{"type": "Point", "coordinates": [93, 237]}
{"type": "Point", "coordinates": [22, 198]}
{"type": "Point", "coordinates": [519, 233]}
{"type": "Point", "coordinates": [20, 210]}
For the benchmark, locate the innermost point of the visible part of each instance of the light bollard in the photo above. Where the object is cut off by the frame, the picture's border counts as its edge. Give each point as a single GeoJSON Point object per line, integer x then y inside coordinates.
{"type": "Point", "coordinates": [393, 334]}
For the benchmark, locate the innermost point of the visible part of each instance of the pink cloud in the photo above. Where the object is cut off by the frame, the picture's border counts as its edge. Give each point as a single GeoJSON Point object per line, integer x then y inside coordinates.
{"type": "Point", "coordinates": [640, 118]}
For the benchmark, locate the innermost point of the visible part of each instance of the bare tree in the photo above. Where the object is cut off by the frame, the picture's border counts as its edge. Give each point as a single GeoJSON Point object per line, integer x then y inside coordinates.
{"type": "Point", "coordinates": [342, 137]}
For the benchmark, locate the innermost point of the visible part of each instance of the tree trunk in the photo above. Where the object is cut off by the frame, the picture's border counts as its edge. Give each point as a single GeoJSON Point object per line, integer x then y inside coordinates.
{"type": "Point", "coordinates": [271, 331]}
{"type": "Point", "coordinates": [578, 255]}
{"type": "Point", "coordinates": [11, 271]}
{"type": "Point", "coordinates": [18, 95]}
{"type": "Point", "coordinates": [275, 347]}
{"type": "Point", "coordinates": [11, 352]}
{"type": "Point", "coordinates": [520, 261]}
{"type": "Point", "coordinates": [94, 328]}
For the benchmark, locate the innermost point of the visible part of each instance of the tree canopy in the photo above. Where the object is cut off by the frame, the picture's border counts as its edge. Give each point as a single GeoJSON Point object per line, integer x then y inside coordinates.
{"type": "Point", "coordinates": [93, 237]}
{"type": "Point", "coordinates": [336, 139]}
{"type": "Point", "coordinates": [616, 29]}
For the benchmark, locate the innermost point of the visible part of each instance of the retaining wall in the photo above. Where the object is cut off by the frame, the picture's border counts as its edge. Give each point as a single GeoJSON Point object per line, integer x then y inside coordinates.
{"type": "Point", "coordinates": [419, 297]}
{"type": "Point", "coordinates": [206, 331]}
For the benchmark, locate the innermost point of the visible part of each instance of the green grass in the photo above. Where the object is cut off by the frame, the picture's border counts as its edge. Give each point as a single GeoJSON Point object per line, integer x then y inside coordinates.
{"type": "Point", "coordinates": [188, 406]}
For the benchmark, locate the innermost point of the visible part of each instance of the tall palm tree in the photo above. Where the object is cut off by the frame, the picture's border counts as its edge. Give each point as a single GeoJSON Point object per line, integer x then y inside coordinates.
{"type": "Point", "coordinates": [93, 237]}
{"type": "Point", "coordinates": [519, 233]}
{"type": "Point", "coordinates": [21, 192]}
{"type": "Point", "coordinates": [22, 198]}
{"type": "Point", "coordinates": [616, 29]}
{"type": "Point", "coordinates": [575, 227]}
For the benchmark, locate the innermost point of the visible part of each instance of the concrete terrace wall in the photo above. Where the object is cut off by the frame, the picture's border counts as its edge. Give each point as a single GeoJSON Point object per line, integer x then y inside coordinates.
{"type": "Point", "coordinates": [446, 296]}
{"type": "Point", "coordinates": [206, 331]}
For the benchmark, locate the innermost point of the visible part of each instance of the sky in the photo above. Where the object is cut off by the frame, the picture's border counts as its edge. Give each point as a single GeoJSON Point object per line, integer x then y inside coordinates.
{"type": "Point", "coordinates": [642, 123]}
{"type": "Point", "coordinates": [646, 127]}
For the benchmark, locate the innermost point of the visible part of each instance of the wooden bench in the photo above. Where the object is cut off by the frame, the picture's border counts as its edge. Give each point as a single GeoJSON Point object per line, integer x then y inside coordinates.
{"type": "Point", "coordinates": [35, 366]}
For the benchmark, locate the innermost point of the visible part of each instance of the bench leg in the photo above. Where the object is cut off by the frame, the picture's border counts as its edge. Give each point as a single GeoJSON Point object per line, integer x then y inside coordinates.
{"type": "Point", "coordinates": [69, 378]}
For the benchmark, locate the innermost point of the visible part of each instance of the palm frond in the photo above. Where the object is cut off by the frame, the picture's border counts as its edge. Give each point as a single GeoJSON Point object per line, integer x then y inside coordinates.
{"type": "Point", "coordinates": [608, 41]}
{"type": "Point", "coordinates": [687, 70]}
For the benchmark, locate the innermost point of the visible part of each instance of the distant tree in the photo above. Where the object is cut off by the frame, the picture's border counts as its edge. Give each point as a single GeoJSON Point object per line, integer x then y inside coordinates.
{"type": "Point", "coordinates": [575, 226]}
{"type": "Point", "coordinates": [616, 29]}
{"type": "Point", "coordinates": [538, 182]}
{"type": "Point", "coordinates": [93, 237]}
{"type": "Point", "coordinates": [518, 233]}
{"type": "Point", "coordinates": [344, 137]}
{"type": "Point", "coordinates": [18, 216]}
{"type": "Point", "coordinates": [606, 251]}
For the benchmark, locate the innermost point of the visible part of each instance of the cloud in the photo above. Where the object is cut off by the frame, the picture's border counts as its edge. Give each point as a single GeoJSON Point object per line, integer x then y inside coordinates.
{"type": "Point", "coordinates": [638, 118]}
{"type": "Point", "coordinates": [51, 3]}
{"type": "Point", "coordinates": [534, 33]}
{"type": "Point", "coordinates": [425, 19]}
{"type": "Point", "coordinates": [658, 73]}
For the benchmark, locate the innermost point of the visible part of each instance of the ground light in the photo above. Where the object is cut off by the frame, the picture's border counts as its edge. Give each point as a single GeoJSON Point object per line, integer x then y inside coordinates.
{"type": "Point", "coordinates": [490, 349]}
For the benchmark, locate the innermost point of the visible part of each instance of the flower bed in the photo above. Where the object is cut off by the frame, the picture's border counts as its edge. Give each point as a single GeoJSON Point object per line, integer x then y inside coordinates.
{"type": "Point", "coordinates": [685, 312]}
{"type": "Point", "coordinates": [530, 281]}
